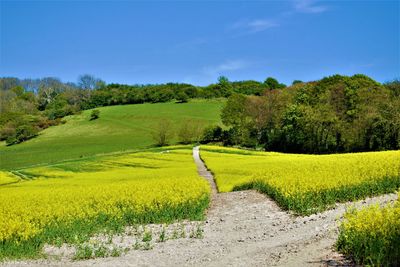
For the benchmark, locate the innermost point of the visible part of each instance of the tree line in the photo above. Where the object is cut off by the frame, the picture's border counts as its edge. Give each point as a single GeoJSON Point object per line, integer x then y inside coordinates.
{"type": "Point", "coordinates": [335, 114]}
{"type": "Point", "coordinates": [28, 106]}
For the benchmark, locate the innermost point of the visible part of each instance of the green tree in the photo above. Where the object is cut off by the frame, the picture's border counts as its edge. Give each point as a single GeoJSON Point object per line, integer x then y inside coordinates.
{"type": "Point", "coordinates": [273, 83]}
{"type": "Point", "coordinates": [224, 86]}
{"type": "Point", "coordinates": [181, 97]}
{"type": "Point", "coordinates": [190, 131]}
{"type": "Point", "coordinates": [296, 82]}
{"type": "Point", "coordinates": [234, 114]}
{"type": "Point", "coordinates": [163, 132]}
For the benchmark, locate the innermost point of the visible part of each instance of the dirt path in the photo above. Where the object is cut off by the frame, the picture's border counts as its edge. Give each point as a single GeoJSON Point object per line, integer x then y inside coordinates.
{"type": "Point", "coordinates": [204, 172]}
{"type": "Point", "coordinates": [243, 229]}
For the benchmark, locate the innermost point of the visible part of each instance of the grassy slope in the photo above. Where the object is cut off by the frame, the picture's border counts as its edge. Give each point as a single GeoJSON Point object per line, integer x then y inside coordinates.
{"type": "Point", "coordinates": [119, 128]}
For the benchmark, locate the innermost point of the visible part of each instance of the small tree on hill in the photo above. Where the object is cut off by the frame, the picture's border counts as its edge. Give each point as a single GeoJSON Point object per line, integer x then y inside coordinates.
{"type": "Point", "coordinates": [191, 131]}
{"type": "Point", "coordinates": [163, 133]}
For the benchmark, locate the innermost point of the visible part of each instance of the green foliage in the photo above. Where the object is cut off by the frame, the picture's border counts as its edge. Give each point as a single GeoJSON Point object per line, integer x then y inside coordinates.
{"type": "Point", "coordinates": [190, 131]}
{"type": "Point", "coordinates": [335, 114]}
{"type": "Point", "coordinates": [234, 114]}
{"type": "Point", "coordinates": [22, 133]}
{"type": "Point", "coordinates": [181, 97]}
{"type": "Point", "coordinates": [212, 134]}
{"type": "Point", "coordinates": [95, 114]}
{"type": "Point", "coordinates": [162, 237]}
{"type": "Point", "coordinates": [273, 83]}
{"type": "Point", "coordinates": [296, 82]}
{"type": "Point", "coordinates": [224, 86]}
{"type": "Point", "coordinates": [393, 87]}
{"type": "Point", "coordinates": [249, 87]}
{"type": "Point", "coordinates": [163, 133]}
{"type": "Point", "coordinates": [83, 252]}
{"type": "Point", "coordinates": [147, 236]}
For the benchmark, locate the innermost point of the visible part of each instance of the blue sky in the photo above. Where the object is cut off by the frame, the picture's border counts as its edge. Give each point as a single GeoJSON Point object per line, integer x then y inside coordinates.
{"type": "Point", "coordinates": [197, 41]}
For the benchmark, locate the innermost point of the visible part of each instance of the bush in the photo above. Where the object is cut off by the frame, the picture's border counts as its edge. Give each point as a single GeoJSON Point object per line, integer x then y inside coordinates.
{"type": "Point", "coordinates": [8, 130]}
{"type": "Point", "coordinates": [22, 133]}
{"type": "Point", "coordinates": [95, 114]}
{"type": "Point", "coordinates": [181, 97]}
{"type": "Point", "coordinates": [212, 134]}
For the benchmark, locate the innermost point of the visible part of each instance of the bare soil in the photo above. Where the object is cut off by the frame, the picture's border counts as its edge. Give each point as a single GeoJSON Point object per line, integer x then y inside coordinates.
{"type": "Point", "coordinates": [243, 228]}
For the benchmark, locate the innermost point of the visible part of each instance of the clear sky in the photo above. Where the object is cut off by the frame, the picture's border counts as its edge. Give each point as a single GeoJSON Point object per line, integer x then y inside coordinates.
{"type": "Point", "coordinates": [197, 41]}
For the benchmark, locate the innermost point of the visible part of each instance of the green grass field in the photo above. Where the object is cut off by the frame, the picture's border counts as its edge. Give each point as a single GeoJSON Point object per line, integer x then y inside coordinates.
{"type": "Point", "coordinates": [119, 128]}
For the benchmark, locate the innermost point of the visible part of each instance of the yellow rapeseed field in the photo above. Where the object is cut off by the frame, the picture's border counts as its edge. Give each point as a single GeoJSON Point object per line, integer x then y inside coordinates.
{"type": "Point", "coordinates": [305, 183]}
{"type": "Point", "coordinates": [133, 188]}
{"type": "Point", "coordinates": [372, 235]}
{"type": "Point", "coordinates": [7, 178]}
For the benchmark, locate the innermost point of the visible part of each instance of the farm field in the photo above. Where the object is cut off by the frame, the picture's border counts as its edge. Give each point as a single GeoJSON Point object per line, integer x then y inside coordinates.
{"type": "Point", "coordinates": [71, 201]}
{"type": "Point", "coordinates": [119, 128]}
{"type": "Point", "coordinates": [305, 183]}
{"type": "Point", "coordinates": [372, 235]}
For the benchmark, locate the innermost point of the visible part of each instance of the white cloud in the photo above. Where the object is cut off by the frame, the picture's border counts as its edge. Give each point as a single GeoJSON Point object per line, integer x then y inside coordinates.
{"type": "Point", "coordinates": [261, 25]}
{"type": "Point", "coordinates": [308, 6]}
{"type": "Point", "coordinates": [253, 26]}
{"type": "Point", "coordinates": [230, 65]}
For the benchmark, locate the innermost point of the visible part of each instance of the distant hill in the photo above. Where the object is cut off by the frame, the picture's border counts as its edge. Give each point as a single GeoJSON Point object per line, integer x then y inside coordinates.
{"type": "Point", "coordinates": [119, 128]}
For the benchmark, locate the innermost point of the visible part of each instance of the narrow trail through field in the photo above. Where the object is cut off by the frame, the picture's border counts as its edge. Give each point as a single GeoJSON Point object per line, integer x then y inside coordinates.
{"type": "Point", "coordinates": [243, 228]}
{"type": "Point", "coordinates": [204, 172]}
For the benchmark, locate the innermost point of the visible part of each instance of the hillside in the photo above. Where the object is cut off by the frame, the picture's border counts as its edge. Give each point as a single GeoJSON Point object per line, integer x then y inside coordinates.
{"type": "Point", "coordinates": [119, 128]}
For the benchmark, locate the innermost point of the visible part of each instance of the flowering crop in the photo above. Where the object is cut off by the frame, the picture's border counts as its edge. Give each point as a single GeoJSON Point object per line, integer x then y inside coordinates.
{"type": "Point", "coordinates": [372, 235]}
{"type": "Point", "coordinates": [305, 183]}
{"type": "Point", "coordinates": [70, 201]}
{"type": "Point", "coordinates": [7, 178]}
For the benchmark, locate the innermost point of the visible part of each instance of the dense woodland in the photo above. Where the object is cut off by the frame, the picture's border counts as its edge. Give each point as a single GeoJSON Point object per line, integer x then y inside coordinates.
{"type": "Point", "coordinates": [335, 114]}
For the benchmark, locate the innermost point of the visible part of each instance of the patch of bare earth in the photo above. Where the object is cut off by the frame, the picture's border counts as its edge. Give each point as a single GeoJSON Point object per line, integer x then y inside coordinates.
{"type": "Point", "coordinates": [242, 229]}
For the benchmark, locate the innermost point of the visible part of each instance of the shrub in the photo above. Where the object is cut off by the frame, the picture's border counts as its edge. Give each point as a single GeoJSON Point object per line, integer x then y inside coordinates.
{"type": "Point", "coordinates": [22, 133]}
{"type": "Point", "coordinates": [181, 97]}
{"type": "Point", "coordinates": [212, 134]}
{"type": "Point", "coordinates": [7, 131]}
{"type": "Point", "coordinates": [95, 114]}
